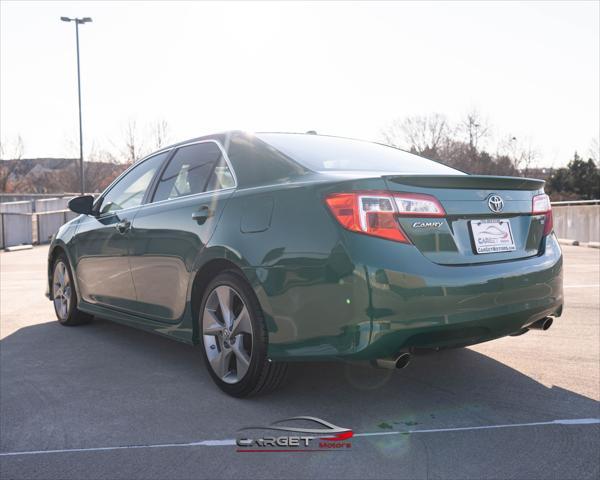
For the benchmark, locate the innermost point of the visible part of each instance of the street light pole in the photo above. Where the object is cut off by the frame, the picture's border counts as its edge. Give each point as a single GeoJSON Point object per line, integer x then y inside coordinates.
{"type": "Point", "coordinates": [77, 22]}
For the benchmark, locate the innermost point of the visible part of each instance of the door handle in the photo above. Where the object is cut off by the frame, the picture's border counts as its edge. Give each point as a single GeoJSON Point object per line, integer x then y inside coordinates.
{"type": "Point", "coordinates": [202, 214]}
{"type": "Point", "coordinates": [123, 226]}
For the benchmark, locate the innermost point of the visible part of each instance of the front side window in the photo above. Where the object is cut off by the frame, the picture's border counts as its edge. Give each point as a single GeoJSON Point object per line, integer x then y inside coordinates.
{"type": "Point", "coordinates": [194, 169]}
{"type": "Point", "coordinates": [130, 190]}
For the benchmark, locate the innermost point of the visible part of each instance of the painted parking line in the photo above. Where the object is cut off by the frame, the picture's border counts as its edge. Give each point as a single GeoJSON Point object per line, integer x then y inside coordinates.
{"type": "Point", "coordinates": [575, 421]}
{"type": "Point", "coordinates": [229, 442]}
{"type": "Point", "coordinates": [204, 443]}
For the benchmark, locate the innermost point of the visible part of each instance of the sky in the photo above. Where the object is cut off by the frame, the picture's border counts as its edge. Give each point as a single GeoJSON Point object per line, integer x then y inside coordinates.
{"type": "Point", "coordinates": [341, 68]}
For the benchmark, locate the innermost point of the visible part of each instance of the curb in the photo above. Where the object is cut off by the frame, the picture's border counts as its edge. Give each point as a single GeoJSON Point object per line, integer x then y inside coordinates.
{"type": "Point", "coordinates": [16, 248]}
{"type": "Point", "coordinates": [568, 241]}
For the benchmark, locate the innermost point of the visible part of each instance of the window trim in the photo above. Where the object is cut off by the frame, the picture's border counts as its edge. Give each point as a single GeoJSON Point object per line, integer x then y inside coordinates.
{"type": "Point", "coordinates": [154, 184]}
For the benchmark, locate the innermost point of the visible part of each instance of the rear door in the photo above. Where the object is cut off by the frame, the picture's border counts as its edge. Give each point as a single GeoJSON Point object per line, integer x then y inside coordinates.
{"type": "Point", "coordinates": [170, 232]}
{"type": "Point", "coordinates": [488, 219]}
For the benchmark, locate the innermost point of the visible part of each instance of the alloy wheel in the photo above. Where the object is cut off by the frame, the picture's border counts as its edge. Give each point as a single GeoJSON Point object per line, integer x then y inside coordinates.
{"type": "Point", "coordinates": [227, 334]}
{"type": "Point", "coordinates": [61, 290]}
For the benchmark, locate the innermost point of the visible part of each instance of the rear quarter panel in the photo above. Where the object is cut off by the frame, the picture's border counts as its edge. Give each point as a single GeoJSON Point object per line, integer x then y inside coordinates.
{"type": "Point", "coordinates": [315, 300]}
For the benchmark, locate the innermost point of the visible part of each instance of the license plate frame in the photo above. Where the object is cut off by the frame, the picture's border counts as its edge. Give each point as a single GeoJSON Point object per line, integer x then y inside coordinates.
{"type": "Point", "coordinates": [492, 236]}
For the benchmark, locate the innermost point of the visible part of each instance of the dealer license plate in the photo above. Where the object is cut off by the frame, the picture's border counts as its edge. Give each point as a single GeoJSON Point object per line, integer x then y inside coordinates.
{"type": "Point", "coordinates": [492, 236]}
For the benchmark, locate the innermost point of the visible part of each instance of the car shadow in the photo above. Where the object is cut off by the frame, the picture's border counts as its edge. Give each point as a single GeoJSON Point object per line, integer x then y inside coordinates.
{"type": "Point", "coordinates": [107, 384]}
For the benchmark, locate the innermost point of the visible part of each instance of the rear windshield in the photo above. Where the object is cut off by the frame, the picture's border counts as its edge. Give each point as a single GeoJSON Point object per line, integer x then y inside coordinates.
{"type": "Point", "coordinates": [322, 153]}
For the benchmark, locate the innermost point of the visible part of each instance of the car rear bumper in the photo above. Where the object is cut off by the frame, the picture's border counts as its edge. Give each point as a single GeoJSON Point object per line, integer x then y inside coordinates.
{"type": "Point", "coordinates": [390, 298]}
{"type": "Point", "coordinates": [430, 305]}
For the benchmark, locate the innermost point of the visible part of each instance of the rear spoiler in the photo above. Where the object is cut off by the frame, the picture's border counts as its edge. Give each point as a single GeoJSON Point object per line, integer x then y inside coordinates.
{"type": "Point", "coordinates": [475, 182]}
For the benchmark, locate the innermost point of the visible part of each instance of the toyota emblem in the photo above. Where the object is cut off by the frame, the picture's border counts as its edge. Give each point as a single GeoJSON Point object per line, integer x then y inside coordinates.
{"type": "Point", "coordinates": [495, 203]}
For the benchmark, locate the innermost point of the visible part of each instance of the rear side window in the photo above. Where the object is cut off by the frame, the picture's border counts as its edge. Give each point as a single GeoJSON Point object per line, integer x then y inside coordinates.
{"type": "Point", "coordinates": [194, 169]}
{"type": "Point", "coordinates": [321, 153]}
{"type": "Point", "coordinates": [258, 163]}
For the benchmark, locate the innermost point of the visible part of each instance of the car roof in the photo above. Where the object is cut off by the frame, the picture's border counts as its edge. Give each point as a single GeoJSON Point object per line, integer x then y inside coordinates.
{"type": "Point", "coordinates": [221, 136]}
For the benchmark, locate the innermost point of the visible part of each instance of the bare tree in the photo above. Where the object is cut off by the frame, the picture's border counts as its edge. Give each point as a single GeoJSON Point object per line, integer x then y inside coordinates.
{"type": "Point", "coordinates": [475, 128]}
{"type": "Point", "coordinates": [508, 146]}
{"type": "Point", "coordinates": [132, 142]}
{"type": "Point", "coordinates": [100, 155]}
{"type": "Point", "coordinates": [526, 159]}
{"type": "Point", "coordinates": [19, 148]}
{"type": "Point", "coordinates": [99, 174]}
{"type": "Point", "coordinates": [137, 142]}
{"type": "Point", "coordinates": [392, 133]}
{"type": "Point", "coordinates": [595, 150]}
{"type": "Point", "coordinates": [522, 152]}
{"type": "Point", "coordinates": [7, 168]}
{"type": "Point", "coordinates": [12, 149]}
{"type": "Point", "coordinates": [9, 152]}
{"type": "Point", "coordinates": [160, 133]}
{"type": "Point", "coordinates": [419, 133]}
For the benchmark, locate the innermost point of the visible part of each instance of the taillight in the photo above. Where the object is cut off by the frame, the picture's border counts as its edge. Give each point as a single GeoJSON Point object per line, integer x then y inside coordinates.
{"type": "Point", "coordinates": [540, 205]}
{"type": "Point", "coordinates": [375, 213]}
{"type": "Point", "coordinates": [418, 205]}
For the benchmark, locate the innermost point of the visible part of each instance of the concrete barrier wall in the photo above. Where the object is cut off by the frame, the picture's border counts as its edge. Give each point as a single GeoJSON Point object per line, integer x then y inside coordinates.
{"type": "Point", "coordinates": [577, 222]}
{"type": "Point", "coordinates": [48, 224]}
{"type": "Point", "coordinates": [16, 207]}
{"type": "Point", "coordinates": [16, 229]}
{"type": "Point", "coordinates": [52, 204]}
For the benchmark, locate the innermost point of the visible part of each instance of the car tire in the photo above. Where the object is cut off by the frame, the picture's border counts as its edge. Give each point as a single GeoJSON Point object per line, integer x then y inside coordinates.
{"type": "Point", "coordinates": [64, 296]}
{"type": "Point", "coordinates": [233, 342]}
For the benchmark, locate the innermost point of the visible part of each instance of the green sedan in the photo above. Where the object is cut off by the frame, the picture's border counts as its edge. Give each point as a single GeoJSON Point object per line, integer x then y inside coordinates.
{"type": "Point", "coordinates": [274, 247]}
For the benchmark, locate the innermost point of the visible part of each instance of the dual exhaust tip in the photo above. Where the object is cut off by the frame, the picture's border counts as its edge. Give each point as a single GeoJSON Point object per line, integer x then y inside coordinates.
{"type": "Point", "coordinates": [401, 361]}
{"type": "Point", "coordinates": [543, 324]}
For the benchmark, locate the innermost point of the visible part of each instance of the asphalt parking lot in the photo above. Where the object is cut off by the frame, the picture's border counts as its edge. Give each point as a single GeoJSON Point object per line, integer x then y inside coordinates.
{"type": "Point", "coordinates": [81, 392]}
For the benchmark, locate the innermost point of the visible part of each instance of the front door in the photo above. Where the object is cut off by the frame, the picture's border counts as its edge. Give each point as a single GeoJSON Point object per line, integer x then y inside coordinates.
{"type": "Point", "coordinates": [102, 241]}
{"type": "Point", "coordinates": [170, 232]}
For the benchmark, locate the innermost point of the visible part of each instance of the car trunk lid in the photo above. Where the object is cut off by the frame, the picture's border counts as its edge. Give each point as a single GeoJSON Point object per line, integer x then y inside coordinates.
{"type": "Point", "coordinates": [488, 218]}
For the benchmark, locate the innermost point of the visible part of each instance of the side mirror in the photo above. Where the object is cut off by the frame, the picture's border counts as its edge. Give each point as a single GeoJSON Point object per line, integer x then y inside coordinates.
{"type": "Point", "coordinates": [82, 204]}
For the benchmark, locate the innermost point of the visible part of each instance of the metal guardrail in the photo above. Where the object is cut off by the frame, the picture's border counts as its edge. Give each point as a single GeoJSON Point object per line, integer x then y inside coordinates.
{"type": "Point", "coordinates": [18, 228]}
{"type": "Point", "coordinates": [577, 220]}
{"type": "Point", "coordinates": [28, 197]}
{"type": "Point", "coordinates": [577, 202]}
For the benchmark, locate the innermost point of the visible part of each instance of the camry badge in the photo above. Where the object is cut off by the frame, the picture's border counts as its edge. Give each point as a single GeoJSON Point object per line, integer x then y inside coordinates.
{"type": "Point", "coordinates": [427, 224]}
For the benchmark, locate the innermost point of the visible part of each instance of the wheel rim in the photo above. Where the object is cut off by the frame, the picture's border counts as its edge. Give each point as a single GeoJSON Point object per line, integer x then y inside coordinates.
{"type": "Point", "coordinates": [61, 290]}
{"type": "Point", "coordinates": [227, 333]}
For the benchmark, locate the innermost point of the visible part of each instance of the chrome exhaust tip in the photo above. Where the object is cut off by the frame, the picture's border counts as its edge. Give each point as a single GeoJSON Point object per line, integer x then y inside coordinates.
{"type": "Point", "coordinates": [542, 324]}
{"type": "Point", "coordinates": [401, 361]}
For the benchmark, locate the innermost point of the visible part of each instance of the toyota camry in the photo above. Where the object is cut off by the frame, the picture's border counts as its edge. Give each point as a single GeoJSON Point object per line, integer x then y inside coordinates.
{"type": "Point", "coordinates": [268, 248]}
